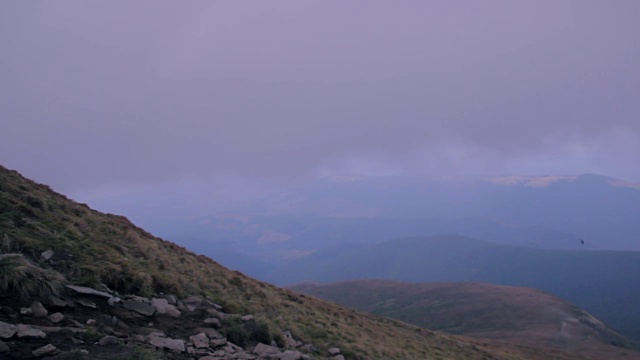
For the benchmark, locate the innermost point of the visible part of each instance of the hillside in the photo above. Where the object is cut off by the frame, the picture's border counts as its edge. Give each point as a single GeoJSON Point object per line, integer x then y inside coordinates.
{"type": "Point", "coordinates": [516, 314]}
{"type": "Point", "coordinates": [60, 242]}
{"type": "Point", "coordinates": [602, 282]}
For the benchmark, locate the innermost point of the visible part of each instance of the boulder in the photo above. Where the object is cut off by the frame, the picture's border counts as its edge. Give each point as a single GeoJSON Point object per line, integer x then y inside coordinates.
{"type": "Point", "coordinates": [55, 317]}
{"type": "Point", "coordinates": [26, 331]}
{"type": "Point", "coordinates": [163, 307]}
{"type": "Point", "coordinates": [140, 307]}
{"type": "Point", "coordinates": [45, 351]}
{"type": "Point", "coordinates": [199, 340]}
{"type": "Point", "coordinates": [7, 330]}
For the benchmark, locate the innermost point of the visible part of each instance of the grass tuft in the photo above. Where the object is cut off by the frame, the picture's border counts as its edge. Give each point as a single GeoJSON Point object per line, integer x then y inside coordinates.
{"type": "Point", "coordinates": [22, 278]}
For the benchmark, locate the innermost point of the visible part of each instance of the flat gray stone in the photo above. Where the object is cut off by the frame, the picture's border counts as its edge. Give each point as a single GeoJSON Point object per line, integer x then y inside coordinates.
{"type": "Point", "coordinates": [55, 317]}
{"type": "Point", "coordinates": [140, 307]}
{"type": "Point", "coordinates": [263, 350]}
{"type": "Point", "coordinates": [7, 330]}
{"type": "Point", "coordinates": [45, 351]}
{"type": "Point", "coordinates": [88, 291]}
{"type": "Point", "coordinates": [87, 303]}
{"type": "Point", "coordinates": [47, 254]}
{"type": "Point", "coordinates": [26, 331]}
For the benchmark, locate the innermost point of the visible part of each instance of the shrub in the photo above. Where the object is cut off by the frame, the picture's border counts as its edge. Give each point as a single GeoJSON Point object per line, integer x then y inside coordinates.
{"type": "Point", "coordinates": [259, 332]}
{"type": "Point", "coordinates": [237, 335]}
{"type": "Point", "coordinates": [22, 278]}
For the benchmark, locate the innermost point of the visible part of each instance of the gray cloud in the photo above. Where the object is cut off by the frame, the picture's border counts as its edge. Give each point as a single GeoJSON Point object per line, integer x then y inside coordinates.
{"type": "Point", "coordinates": [93, 93]}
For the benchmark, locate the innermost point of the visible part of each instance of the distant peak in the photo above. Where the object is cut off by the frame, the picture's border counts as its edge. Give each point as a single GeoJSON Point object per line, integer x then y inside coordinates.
{"type": "Point", "coordinates": [530, 181]}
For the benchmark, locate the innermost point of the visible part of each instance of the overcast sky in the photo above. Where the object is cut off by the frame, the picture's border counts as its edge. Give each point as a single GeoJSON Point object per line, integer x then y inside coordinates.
{"type": "Point", "coordinates": [95, 93]}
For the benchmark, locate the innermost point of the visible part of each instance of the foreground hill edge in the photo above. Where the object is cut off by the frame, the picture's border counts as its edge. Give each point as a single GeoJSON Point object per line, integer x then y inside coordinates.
{"type": "Point", "coordinates": [62, 242]}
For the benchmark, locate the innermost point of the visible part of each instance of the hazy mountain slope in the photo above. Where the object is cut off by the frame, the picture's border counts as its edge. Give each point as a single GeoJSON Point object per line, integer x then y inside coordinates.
{"type": "Point", "coordinates": [482, 310]}
{"type": "Point", "coordinates": [92, 248]}
{"type": "Point", "coordinates": [605, 283]}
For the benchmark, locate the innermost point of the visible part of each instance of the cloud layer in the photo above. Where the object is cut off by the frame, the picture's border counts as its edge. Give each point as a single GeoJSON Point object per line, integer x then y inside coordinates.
{"type": "Point", "coordinates": [93, 93]}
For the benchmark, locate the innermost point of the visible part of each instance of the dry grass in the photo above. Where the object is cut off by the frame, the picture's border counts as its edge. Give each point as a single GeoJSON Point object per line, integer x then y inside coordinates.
{"type": "Point", "coordinates": [22, 278]}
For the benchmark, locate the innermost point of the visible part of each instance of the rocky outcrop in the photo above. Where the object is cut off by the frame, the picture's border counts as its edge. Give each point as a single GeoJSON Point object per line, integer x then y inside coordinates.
{"type": "Point", "coordinates": [85, 321]}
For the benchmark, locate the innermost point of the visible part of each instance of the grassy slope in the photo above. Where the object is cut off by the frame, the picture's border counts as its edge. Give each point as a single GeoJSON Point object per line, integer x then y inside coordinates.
{"type": "Point", "coordinates": [516, 314]}
{"type": "Point", "coordinates": [91, 247]}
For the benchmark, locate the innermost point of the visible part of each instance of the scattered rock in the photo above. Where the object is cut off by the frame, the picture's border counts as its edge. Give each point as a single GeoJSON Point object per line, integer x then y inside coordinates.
{"type": "Point", "coordinates": [7, 330]}
{"type": "Point", "coordinates": [56, 302]}
{"type": "Point", "coordinates": [194, 301]}
{"type": "Point", "coordinates": [288, 338]}
{"type": "Point", "coordinates": [263, 350]}
{"type": "Point", "coordinates": [91, 322]}
{"type": "Point", "coordinates": [47, 254]}
{"type": "Point", "coordinates": [25, 311]}
{"type": "Point", "coordinates": [247, 318]}
{"type": "Point", "coordinates": [45, 351]}
{"type": "Point", "coordinates": [211, 333]}
{"type": "Point", "coordinates": [334, 351]}
{"type": "Point", "coordinates": [162, 306]}
{"type": "Point", "coordinates": [140, 307]}
{"type": "Point", "coordinates": [26, 331]}
{"type": "Point", "coordinates": [88, 291]}
{"type": "Point", "coordinates": [167, 343]}
{"type": "Point", "coordinates": [108, 340]}
{"type": "Point", "coordinates": [87, 303]}
{"type": "Point", "coordinates": [214, 343]}
{"type": "Point", "coordinates": [213, 322]}
{"type": "Point", "coordinates": [338, 357]}
{"type": "Point", "coordinates": [199, 340]}
{"type": "Point", "coordinates": [55, 317]}
{"type": "Point", "coordinates": [171, 299]}
{"type": "Point", "coordinates": [291, 355]}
